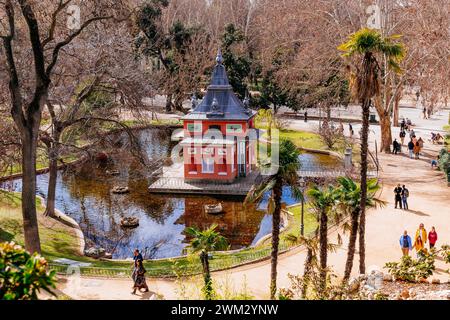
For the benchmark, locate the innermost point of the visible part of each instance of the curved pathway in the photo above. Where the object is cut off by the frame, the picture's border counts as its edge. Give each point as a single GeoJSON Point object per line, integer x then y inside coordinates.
{"type": "Point", "coordinates": [429, 203]}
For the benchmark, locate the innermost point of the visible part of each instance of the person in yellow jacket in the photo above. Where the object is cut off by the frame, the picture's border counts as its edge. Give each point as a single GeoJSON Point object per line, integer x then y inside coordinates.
{"type": "Point", "coordinates": [419, 245]}
{"type": "Point", "coordinates": [422, 233]}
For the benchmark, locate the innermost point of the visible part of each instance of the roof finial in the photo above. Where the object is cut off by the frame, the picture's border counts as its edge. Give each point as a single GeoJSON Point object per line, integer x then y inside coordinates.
{"type": "Point", "coordinates": [219, 58]}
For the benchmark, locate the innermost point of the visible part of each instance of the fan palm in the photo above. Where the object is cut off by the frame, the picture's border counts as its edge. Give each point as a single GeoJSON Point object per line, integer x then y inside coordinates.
{"type": "Point", "coordinates": [323, 200]}
{"type": "Point", "coordinates": [311, 262]}
{"type": "Point", "coordinates": [204, 242]}
{"type": "Point", "coordinates": [350, 203]}
{"type": "Point", "coordinates": [286, 174]}
{"type": "Point", "coordinates": [367, 44]}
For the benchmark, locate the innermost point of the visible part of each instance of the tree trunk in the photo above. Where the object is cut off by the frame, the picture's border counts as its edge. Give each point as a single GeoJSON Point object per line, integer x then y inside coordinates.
{"type": "Point", "coordinates": [53, 154]}
{"type": "Point", "coordinates": [30, 222]}
{"type": "Point", "coordinates": [386, 133]}
{"type": "Point", "coordinates": [364, 152]}
{"type": "Point", "coordinates": [323, 247]}
{"type": "Point", "coordinates": [277, 193]}
{"type": "Point", "coordinates": [351, 245]}
{"type": "Point", "coordinates": [307, 271]}
{"type": "Point", "coordinates": [169, 103]}
{"type": "Point", "coordinates": [398, 96]}
{"type": "Point", "coordinates": [206, 275]}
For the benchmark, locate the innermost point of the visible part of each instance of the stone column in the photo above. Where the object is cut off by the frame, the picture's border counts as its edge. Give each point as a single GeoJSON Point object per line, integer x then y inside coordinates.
{"type": "Point", "coordinates": [348, 159]}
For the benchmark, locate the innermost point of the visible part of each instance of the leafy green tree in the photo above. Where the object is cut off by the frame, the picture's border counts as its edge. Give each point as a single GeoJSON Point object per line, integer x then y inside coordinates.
{"type": "Point", "coordinates": [22, 275]}
{"type": "Point", "coordinates": [154, 42]}
{"type": "Point", "coordinates": [204, 242]}
{"type": "Point", "coordinates": [366, 44]}
{"type": "Point", "coordinates": [286, 174]}
{"type": "Point", "coordinates": [238, 65]}
{"type": "Point", "coordinates": [323, 201]}
{"type": "Point", "coordinates": [349, 202]}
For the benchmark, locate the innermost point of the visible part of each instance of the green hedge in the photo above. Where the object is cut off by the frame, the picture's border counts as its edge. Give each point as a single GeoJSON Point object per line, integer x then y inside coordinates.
{"type": "Point", "coordinates": [444, 162]}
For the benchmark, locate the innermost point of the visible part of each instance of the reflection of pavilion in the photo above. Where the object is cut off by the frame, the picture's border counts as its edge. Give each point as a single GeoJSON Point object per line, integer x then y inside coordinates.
{"type": "Point", "coordinates": [236, 224]}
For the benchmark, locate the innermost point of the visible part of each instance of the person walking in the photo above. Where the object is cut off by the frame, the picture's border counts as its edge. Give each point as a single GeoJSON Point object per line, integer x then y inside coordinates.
{"type": "Point", "coordinates": [306, 116]}
{"type": "Point", "coordinates": [137, 256]}
{"type": "Point", "coordinates": [405, 243]}
{"type": "Point", "coordinates": [419, 245]}
{"type": "Point", "coordinates": [139, 277]}
{"type": "Point", "coordinates": [432, 237]}
{"type": "Point", "coordinates": [403, 125]}
{"type": "Point", "coordinates": [398, 196]}
{"type": "Point", "coordinates": [410, 148]}
{"type": "Point", "coordinates": [422, 233]}
{"type": "Point", "coordinates": [412, 134]}
{"type": "Point", "coordinates": [396, 146]}
{"type": "Point", "coordinates": [350, 128]}
{"type": "Point", "coordinates": [405, 195]}
{"type": "Point", "coordinates": [421, 142]}
{"type": "Point", "coordinates": [402, 136]}
{"type": "Point", "coordinates": [416, 150]}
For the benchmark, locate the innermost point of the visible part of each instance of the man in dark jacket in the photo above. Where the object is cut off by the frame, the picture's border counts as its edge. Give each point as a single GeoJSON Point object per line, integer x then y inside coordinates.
{"type": "Point", "coordinates": [411, 148]}
{"type": "Point", "coordinates": [398, 196]}
{"type": "Point", "coordinates": [396, 146]}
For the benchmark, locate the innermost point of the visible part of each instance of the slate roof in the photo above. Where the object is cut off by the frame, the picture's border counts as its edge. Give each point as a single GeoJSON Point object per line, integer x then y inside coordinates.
{"type": "Point", "coordinates": [220, 103]}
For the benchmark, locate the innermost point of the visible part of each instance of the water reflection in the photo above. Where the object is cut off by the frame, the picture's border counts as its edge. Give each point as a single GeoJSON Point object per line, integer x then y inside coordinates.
{"type": "Point", "coordinates": [84, 193]}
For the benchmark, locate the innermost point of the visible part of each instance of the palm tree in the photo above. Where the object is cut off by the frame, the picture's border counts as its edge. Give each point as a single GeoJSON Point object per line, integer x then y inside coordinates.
{"type": "Point", "coordinates": [286, 173]}
{"type": "Point", "coordinates": [368, 44]}
{"type": "Point", "coordinates": [350, 203]}
{"type": "Point", "coordinates": [204, 242]}
{"type": "Point", "coordinates": [323, 201]}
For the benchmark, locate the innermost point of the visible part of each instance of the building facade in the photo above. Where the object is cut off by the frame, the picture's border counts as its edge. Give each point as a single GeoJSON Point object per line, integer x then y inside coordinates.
{"type": "Point", "coordinates": [220, 138]}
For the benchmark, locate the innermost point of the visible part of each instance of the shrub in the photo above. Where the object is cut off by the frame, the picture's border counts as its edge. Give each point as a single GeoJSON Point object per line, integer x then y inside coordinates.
{"type": "Point", "coordinates": [22, 275]}
{"type": "Point", "coordinates": [445, 252]}
{"type": "Point", "coordinates": [412, 270]}
{"type": "Point", "coordinates": [444, 162]}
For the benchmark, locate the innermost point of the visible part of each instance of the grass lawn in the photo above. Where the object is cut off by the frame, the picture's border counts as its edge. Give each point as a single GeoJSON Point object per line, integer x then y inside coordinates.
{"type": "Point", "coordinates": [57, 240]}
{"type": "Point", "coordinates": [310, 220]}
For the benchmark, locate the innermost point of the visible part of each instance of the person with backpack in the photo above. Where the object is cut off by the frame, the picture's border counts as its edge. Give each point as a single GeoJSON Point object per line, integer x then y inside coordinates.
{"type": "Point", "coordinates": [411, 149]}
{"type": "Point", "coordinates": [405, 195]}
{"type": "Point", "coordinates": [405, 243]}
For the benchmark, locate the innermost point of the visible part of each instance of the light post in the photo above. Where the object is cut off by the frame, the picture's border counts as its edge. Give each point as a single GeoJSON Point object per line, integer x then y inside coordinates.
{"type": "Point", "coordinates": [302, 185]}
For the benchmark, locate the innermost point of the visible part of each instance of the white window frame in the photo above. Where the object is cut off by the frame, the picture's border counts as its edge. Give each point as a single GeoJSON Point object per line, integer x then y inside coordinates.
{"type": "Point", "coordinates": [198, 127]}
{"type": "Point", "coordinates": [228, 130]}
{"type": "Point", "coordinates": [208, 165]}
{"type": "Point", "coordinates": [208, 151]}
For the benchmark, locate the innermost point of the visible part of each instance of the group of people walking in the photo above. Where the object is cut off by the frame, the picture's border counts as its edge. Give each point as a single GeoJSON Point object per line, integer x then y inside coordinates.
{"type": "Point", "coordinates": [138, 273]}
{"type": "Point", "coordinates": [415, 145]}
{"type": "Point", "coordinates": [401, 197]}
{"type": "Point", "coordinates": [420, 239]}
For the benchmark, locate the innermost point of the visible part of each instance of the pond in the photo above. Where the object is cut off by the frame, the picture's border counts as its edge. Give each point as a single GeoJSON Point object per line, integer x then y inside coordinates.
{"type": "Point", "coordinates": [84, 193]}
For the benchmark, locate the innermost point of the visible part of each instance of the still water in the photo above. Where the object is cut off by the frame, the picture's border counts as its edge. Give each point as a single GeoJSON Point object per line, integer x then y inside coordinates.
{"type": "Point", "coordinates": [85, 195]}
